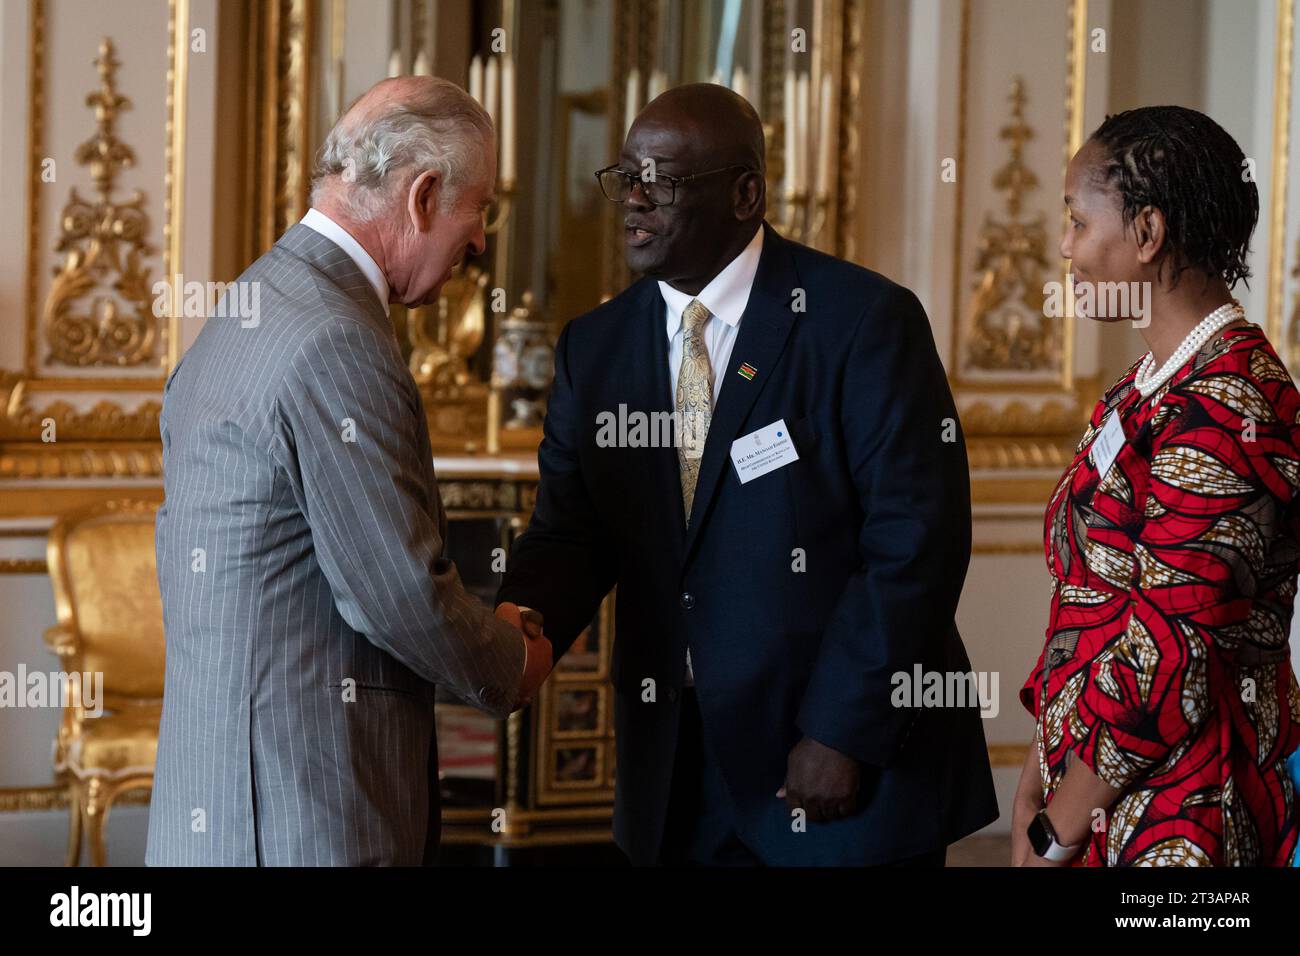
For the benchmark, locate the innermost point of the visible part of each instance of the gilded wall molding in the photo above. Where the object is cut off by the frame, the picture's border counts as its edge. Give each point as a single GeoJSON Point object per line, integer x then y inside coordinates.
{"type": "Point", "coordinates": [1008, 330]}
{"type": "Point", "coordinates": [39, 500]}
{"type": "Point", "coordinates": [1021, 404]}
{"type": "Point", "coordinates": [626, 56]}
{"type": "Point", "coordinates": [1281, 144]}
{"type": "Point", "coordinates": [1283, 330]}
{"type": "Point", "coordinates": [121, 433]}
{"type": "Point", "coordinates": [178, 29]}
{"type": "Point", "coordinates": [27, 799]}
{"type": "Point", "coordinates": [23, 566]}
{"type": "Point", "coordinates": [850, 76]}
{"type": "Point", "coordinates": [1017, 416]}
{"type": "Point", "coordinates": [106, 420]}
{"type": "Point", "coordinates": [55, 797]}
{"type": "Point", "coordinates": [995, 454]}
{"type": "Point", "coordinates": [98, 311]}
{"type": "Point", "coordinates": [1008, 755]}
{"type": "Point", "coordinates": [36, 154]}
{"type": "Point", "coordinates": [1023, 357]}
{"type": "Point", "coordinates": [278, 114]}
{"type": "Point", "coordinates": [1076, 73]}
{"type": "Point", "coordinates": [79, 460]}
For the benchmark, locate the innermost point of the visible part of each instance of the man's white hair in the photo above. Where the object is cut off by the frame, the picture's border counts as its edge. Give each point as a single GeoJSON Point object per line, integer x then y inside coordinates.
{"type": "Point", "coordinates": [366, 162]}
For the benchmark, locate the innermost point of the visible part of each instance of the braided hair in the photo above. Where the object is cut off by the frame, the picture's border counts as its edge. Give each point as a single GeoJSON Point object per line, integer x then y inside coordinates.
{"type": "Point", "coordinates": [1187, 166]}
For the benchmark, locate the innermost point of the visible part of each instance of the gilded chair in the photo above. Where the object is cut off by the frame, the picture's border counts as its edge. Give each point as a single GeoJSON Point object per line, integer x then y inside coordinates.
{"type": "Point", "coordinates": [102, 567]}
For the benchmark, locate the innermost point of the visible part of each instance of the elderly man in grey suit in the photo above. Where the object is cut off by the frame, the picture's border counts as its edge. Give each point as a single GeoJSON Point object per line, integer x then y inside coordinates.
{"type": "Point", "coordinates": [309, 607]}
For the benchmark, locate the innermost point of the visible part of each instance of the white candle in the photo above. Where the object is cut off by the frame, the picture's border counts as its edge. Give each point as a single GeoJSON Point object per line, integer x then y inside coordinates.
{"type": "Point", "coordinates": [421, 67]}
{"type": "Point", "coordinates": [716, 78]}
{"type": "Point", "coordinates": [508, 119]}
{"type": "Point", "coordinates": [801, 132]}
{"type": "Point", "coordinates": [739, 83]}
{"type": "Point", "coordinates": [658, 83]}
{"type": "Point", "coordinates": [491, 77]}
{"type": "Point", "coordinates": [826, 122]}
{"type": "Point", "coordinates": [788, 109]}
{"type": "Point", "coordinates": [630, 103]}
{"type": "Point", "coordinates": [476, 79]}
{"type": "Point", "coordinates": [395, 63]}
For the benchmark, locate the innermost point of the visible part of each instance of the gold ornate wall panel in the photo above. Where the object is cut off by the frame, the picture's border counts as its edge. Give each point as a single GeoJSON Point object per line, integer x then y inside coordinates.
{"type": "Point", "coordinates": [1013, 363]}
{"type": "Point", "coordinates": [97, 343]}
{"type": "Point", "coordinates": [99, 310]}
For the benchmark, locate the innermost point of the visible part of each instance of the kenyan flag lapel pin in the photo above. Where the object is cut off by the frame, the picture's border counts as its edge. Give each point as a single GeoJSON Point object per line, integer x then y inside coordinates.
{"type": "Point", "coordinates": [747, 371]}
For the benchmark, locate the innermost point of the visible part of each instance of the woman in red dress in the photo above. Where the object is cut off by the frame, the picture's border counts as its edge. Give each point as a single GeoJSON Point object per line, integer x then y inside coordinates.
{"type": "Point", "coordinates": [1165, 701]}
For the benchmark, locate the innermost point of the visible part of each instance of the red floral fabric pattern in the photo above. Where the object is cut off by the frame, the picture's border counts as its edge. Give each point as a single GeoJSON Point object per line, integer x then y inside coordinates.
{"type": "Point", "coordinates": [1166, 668]}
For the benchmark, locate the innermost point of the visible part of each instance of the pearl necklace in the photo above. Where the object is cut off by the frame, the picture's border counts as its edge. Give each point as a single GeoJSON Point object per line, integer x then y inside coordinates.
{"type": "Point", "coordinates": [1148, 381]}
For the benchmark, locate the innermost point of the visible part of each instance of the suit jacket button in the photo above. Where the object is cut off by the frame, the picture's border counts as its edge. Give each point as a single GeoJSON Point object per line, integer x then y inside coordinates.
{"type": "Point", "coordinates": [688, 600]}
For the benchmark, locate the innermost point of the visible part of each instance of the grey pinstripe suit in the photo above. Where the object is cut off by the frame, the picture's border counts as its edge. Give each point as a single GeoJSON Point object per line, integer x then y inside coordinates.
{"type": "Point", "coordinates": [320, 565]}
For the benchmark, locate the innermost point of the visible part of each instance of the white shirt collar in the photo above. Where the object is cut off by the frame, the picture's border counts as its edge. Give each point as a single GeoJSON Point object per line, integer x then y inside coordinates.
{"type": "Point", "coordinates": [331, 230]}
{"type": "Point", "coordinates": [726, 295]}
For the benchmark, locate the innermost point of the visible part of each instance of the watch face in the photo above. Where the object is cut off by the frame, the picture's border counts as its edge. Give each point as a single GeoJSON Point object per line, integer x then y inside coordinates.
{"type": "Point", "coordinates": [1039, 839]}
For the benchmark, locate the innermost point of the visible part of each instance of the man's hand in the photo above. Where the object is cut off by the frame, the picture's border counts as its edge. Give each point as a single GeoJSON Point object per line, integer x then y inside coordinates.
{"type": "Point", "coordinates": [538, 662]}
{"type": "Point", "coordinates": [821, 780]}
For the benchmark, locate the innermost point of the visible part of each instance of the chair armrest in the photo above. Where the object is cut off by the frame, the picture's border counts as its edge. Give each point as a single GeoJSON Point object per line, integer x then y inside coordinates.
{"type": "Point", "coordinates": [62, 640]}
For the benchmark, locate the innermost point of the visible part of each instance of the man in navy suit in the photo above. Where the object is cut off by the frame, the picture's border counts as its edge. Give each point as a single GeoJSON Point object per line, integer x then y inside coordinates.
{"type": "Point", "coordinates": [790, 558]}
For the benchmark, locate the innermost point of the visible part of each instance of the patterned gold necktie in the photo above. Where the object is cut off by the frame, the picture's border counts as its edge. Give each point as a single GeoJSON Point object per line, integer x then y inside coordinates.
{"type": "Point", "coordinates": [694, 400]}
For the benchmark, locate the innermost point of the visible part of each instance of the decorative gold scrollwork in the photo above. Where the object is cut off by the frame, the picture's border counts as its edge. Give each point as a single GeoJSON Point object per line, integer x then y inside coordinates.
{"type": "Point", "coordinates": [99, 308]}
{"type": "Point", "coordinates": [1007, 329]}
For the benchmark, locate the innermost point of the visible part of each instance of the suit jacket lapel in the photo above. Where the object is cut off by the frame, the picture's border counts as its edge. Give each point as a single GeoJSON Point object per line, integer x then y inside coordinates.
{"type": "Point", "coordinates": [652, 392]}
{"type": "Point", "coordinates": [764, 328]}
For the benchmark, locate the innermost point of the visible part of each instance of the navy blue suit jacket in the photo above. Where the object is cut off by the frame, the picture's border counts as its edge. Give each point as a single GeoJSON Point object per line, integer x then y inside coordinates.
{"type": "Point", "coordinates": [877, 507]}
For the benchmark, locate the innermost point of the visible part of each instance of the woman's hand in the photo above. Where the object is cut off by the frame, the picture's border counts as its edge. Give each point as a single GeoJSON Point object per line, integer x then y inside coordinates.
{"type": "Point", "coordinates": [1021, 814]}
{"type": "Point", "coordinates": [1028, 801]}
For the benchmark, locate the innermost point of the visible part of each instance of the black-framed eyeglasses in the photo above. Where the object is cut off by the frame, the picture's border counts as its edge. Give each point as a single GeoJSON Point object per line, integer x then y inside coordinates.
{"type": "Point", "coordinates": [661, 190]}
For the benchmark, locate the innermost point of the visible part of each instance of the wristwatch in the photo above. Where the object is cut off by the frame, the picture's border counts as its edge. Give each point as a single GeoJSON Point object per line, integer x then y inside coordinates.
{"type": "Point", "coordinates": [1042, 838]}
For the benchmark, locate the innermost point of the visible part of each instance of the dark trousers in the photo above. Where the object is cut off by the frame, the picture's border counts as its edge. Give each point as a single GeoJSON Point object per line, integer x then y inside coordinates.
{"type": "Point", "coordinates": [700, 826]}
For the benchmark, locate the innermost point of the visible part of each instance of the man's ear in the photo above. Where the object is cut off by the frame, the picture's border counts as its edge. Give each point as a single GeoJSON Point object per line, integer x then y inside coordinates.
{"type": "Point", "coordinates": [422, 200]}
{"type": "Point", "coordinates": [749, 195]}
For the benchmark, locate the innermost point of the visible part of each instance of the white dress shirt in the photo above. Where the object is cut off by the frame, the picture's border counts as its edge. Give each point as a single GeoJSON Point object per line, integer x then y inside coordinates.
{"type": "Point", "coordinates": [725, 297]}
{"type": "Point", "coordinates": [331, 230]}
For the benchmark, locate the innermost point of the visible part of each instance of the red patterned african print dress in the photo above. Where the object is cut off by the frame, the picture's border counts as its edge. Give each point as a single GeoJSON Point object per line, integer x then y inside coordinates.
{"type": "Point", "coordinates": [1166, 668]}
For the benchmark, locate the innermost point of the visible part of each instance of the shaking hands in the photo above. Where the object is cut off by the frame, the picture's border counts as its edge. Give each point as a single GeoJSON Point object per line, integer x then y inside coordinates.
{"type": "Point", "coordinates": [538, 663]}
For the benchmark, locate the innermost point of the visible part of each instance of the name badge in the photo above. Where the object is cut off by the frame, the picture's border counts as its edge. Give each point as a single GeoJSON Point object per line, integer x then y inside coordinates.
{"type": "Point", "coordinates": [762, 451]}
{"type": "Point", "coordinates": [1107, 445]}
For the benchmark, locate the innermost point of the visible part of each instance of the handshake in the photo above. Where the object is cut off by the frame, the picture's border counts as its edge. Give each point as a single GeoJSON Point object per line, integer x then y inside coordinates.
{"type": "Point", "coordinates": [537, 649]}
